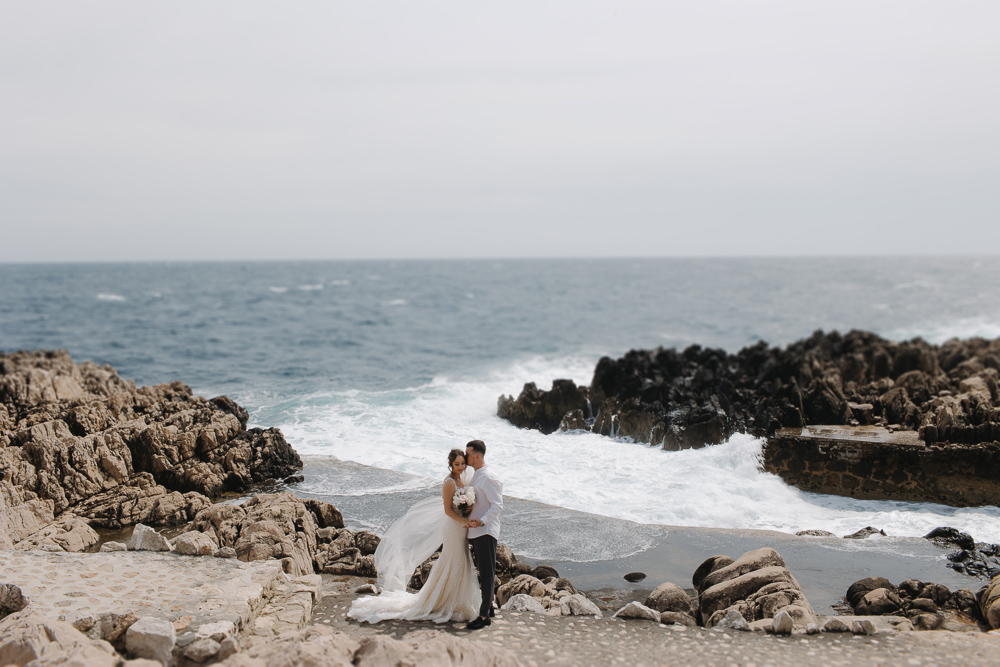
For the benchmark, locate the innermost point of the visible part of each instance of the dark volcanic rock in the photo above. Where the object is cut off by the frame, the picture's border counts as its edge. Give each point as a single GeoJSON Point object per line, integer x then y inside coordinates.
{"type": "Point", "coordinates": [702, 396]}
{"type": "Point", "coordinates": [80, 437]}
{"type": "Point", "coordinates": [544, 410]}
{"type": "Point", "coordinates": [978, 559]}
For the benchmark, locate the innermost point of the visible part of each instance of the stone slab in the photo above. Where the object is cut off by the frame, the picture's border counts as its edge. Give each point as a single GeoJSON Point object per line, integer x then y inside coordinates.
{"type": "Point", "coordinates": [187, 591]}
{"type": "Point", "coordinates": [870, 434]}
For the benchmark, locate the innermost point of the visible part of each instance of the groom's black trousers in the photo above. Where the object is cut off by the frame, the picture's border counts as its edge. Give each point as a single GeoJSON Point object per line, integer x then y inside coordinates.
{"type": "Point", "coordinates": [484, 549]}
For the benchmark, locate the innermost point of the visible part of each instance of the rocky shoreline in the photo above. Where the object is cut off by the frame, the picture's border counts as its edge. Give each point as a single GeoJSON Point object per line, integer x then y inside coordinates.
{"type": "Point", "coordinates": [80, 449]}
{"type": "Point", "coordinates": [946, 396]}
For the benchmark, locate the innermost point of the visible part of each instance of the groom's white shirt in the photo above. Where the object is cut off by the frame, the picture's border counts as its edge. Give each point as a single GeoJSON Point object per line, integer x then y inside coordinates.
{"type": "Point", "coordinates": [488, 505]}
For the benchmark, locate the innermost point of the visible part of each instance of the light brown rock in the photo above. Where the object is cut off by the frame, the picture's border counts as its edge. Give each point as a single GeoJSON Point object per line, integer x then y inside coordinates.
{"type": "Point", "coordinates": [669, 597]}
{"type": "Point", "coordinates": [989, 602]}
{"type": "Point", "coordinates": [194, 543]}
{"type": "Point", "coordinates": [70, 533]}
{"type": "Point", "coordinates": [28, 637]}
{"type": "Point", "coordinates": [522, 584]}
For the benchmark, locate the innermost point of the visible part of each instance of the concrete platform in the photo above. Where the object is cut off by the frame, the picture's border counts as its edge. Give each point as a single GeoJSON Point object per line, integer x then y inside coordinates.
{"type": "Point", "coordinates": [876, 463]}
{"type": "Point", "coordinates": [102, 594]}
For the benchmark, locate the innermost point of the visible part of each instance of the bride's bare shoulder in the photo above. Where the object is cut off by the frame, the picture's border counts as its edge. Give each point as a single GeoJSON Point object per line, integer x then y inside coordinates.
{"type": "Point", "coordinates": [451, 480]}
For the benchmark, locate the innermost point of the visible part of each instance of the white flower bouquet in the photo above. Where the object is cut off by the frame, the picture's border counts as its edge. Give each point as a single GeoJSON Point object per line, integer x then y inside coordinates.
{"type": "Point", "coordinates": [463, 500]}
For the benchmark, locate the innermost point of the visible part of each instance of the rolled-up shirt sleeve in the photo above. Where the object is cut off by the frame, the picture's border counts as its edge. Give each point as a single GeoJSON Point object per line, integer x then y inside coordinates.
{"type": "Point", "coordinates": [493, 491]}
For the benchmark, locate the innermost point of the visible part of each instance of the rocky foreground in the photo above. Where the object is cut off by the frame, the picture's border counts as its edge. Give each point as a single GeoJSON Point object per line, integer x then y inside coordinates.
{"type": "Point", "coordinates": [238, 584]}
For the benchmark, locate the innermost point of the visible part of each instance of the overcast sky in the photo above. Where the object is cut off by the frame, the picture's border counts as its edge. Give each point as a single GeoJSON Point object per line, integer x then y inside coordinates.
{"type": "Point", "coordinates": [266, 130]}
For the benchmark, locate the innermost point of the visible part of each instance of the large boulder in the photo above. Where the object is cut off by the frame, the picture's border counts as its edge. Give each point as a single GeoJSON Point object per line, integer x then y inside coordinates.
{"type": "Point", "coordinates": [194, 543]}
{"type": "Point", "coordinates": [669, 597]}
{"type": "Point", "coordinates": [523, 584]}
{"type": "Point", "coordinates": [989, 602]}
{"type": "Point", "coordinates": [27, 637]}
{"type": "Point", "coordinates": [22, 513]}
{"type": "Point", "coordinates": [863, 587]}
{"type": "Point", "coordinates": [69, 533]}
{"type": "Point", "coordinates": [758, 586]}
{"type": "Point", "coordinates": [878, 602]}
{"type": "Point", "coordinates": [278, 526]}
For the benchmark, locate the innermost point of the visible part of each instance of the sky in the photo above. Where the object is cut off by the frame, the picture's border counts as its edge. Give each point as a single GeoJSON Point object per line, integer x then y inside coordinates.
{"type": "Point", "coordinates": [552, 128]}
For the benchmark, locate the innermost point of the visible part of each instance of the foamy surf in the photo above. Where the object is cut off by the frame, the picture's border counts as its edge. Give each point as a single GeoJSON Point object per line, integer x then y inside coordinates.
{"type": "Point", "coordinates": [411, 430]}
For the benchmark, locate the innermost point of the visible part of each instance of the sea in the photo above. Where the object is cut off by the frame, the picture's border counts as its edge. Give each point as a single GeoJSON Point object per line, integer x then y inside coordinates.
{"type": "Point", "coordinates": [374, 370]}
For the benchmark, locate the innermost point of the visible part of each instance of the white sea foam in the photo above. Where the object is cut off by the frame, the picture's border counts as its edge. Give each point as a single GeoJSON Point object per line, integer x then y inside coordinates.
{"type": "Point", "coordinates": [278, 290]}
{"type": "Point", "coordinates": [939, 332]}
{"type": "Point", "coordinates": [395, 302]}
{"type": "Point", "coordinates": [310, 288]}
{"type": "Point", "coordinates": [339, 282]}
{"type": "Point", "coordinates": [108, 296]}
{"type": "Point", "coordinates": [411, 430]}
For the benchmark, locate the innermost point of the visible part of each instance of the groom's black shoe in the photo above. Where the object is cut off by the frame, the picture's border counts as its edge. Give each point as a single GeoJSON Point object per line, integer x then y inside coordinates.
{"type": "Point", "coordinates": [493, 612]}
{"type": "Point", "coordinates": [478, 623]}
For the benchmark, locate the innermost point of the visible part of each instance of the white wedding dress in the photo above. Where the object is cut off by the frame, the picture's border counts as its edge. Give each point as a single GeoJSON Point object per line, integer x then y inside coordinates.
{"type": "Point", "coordinates": [451, 592]}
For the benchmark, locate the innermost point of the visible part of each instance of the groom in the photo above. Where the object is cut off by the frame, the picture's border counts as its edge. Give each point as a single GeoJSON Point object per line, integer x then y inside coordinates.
{"type": "Point", "coordinates": [484, 527]}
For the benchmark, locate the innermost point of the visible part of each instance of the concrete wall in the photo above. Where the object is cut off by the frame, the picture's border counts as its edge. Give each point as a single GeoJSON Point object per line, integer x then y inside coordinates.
{"type": "Point", "coordinates": [873, 463]}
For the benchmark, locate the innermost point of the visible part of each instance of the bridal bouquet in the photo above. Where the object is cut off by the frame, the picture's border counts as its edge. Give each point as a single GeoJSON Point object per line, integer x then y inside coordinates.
{"type": "Point", "coordinates": [463, 500]}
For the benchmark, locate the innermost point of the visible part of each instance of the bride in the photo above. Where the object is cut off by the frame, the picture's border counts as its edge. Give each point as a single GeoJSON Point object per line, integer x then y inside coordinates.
{"type": "Point", "coordinates": [451, 592]}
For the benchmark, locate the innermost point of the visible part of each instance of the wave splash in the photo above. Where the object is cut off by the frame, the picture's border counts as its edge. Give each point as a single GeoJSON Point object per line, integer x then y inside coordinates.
{"type": "Point", "coordinates": [411, 430]}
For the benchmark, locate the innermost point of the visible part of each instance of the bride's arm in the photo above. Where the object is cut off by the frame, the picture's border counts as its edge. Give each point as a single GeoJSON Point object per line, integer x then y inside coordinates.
{"type": "Point", "coordinates": [447, 493]}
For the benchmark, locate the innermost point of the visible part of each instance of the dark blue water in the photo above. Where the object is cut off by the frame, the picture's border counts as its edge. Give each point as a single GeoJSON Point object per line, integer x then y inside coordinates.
{"type": "Point", "coordinates": [299, 327]}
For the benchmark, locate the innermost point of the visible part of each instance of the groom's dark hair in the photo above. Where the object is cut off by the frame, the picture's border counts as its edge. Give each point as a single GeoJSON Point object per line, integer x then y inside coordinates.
{"type": "Point", "coordinates": [477, 446]}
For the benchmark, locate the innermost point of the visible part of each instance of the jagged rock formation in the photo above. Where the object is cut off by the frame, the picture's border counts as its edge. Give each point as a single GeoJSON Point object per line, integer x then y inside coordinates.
{"type": "Point", "coordinates": [79, 438]}
{"type": "Point", "coordinates": [702, 396]}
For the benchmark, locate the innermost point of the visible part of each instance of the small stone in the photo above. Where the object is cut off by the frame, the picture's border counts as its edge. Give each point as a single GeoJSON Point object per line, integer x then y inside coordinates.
{"type": "Point", "coordinates": [152, 638]}
{"type": "Point", "coordinates": [904, 626]}
{"type": "Point", "coordinates": [734, 621]}
{"type": "Point", "coordinates": [835, 625]}
{"type": "Point", "coordinates": [634, 577]}
{"type": "Point", "coordinates": [782, 623]}
{"type": "Point", "coordinates": [863, 627]}
{"type": "Point", "coordinates": [579, 605]}
{"type": "Point", "coordinates": [202, 650]}
{"type": "Point", "coordinates": [675, 618]}
{"type": "Point", "coordinates": [217, 631]}
{"type": "Point", "coordinates": [114, 546]}
{"type": "Point", "coordinates": [639, 611]}
{"type": "Point", "coordinates": [367, 589]}
{"type": "Point", "coordinates": [226, 552]}
{"type": "Point", "coordinates": [867, 531]}
{"type": "Point", "coordinates": [812, 629]}
{"type": "Point", "coordinates": [11, 600]}
{"type": "Point", "coordinates": [523, 602]}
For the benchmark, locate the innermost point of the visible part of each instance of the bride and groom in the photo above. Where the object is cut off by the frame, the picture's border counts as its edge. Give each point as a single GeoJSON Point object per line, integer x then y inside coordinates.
{"type": "Point", "coordinates": [451, 592]}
